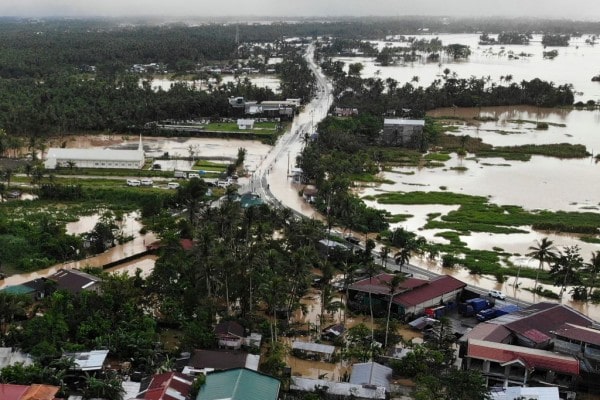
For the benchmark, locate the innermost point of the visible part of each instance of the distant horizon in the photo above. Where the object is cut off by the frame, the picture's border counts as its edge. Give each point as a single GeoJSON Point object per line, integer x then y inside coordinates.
{"type": "Point", "coordinates": [583, 10]}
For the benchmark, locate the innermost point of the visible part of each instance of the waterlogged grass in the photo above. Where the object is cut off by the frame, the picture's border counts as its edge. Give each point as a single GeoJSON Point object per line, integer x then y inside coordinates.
{"type": "Point", "coordinates": [396, 218]}
{"type": "Point", "coordinates": [527, 121]}
{"type": "Point", "coordinates": [589, 239]}
{"type": "Point", "coordinates": [441, 157]}
{"type": "Point", "coordinates": [476, 214]}
{"type": "Point", "coordinates": [524, 153]}
{"type": "Point", "coordinates": [259, 127]}
{"type": "Point", "coordinates": [365, 177]}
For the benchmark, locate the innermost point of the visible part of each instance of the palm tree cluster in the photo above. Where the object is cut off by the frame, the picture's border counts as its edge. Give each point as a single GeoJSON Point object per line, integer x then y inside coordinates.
{"type": "Point", "coordinates": [567, 268]}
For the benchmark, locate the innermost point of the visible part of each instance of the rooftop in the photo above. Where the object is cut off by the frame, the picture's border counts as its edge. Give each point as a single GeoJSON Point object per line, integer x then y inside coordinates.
{"type": "Point", "coordinates": [313, 347]}
{"type": "Point", "coordinates": [88, 361]}
{"type": "Point", "coordinates": [400, 121]}
{"type": "Point", "coordinates": [169, 386]}
{"type": "Point", "coordinates": [531, 358]}
{"type": "Point", "coordinates": [229, 328]}
{"type": "Point", "coordinates": [221, 360]}
{"type": "Point", "coordinates": [371, 373]}
{"type": "Point", "coordinates": [579, 333]}
{"type": "Point", "coordinates": [73, 280]}
{"type": "Point", "coordinates": [94, 154]}
{"type": "Point", "coordinates": [379, 284]}
{"type": "Point", "coordinates": [239, 384]}
{"type": "Point", "coordinates": [436, 287]}
{"type": "Point", "coordinates": [338, 388]}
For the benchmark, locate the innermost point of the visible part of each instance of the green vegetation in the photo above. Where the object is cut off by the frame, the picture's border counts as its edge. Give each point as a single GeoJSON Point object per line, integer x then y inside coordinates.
{"type": "Point", "coordinates": [524, 152]}
{"type": "Point", "coordinates": [260, 128]}
{"type": "Point", "coordinates": [527, 121]}
{"type": "Point", "coordinates": [441, 157]}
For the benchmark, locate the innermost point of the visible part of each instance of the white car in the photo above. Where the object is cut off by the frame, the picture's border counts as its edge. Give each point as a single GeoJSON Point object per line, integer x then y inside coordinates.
{"type": "Point", "coordinates": [172, 185]}
{"type": "Point", "coordinates": [133, 182]}
{"type": "Point", "coordinates": [147, 182]}
{"type": "Point", "coordinates": [497, 294]}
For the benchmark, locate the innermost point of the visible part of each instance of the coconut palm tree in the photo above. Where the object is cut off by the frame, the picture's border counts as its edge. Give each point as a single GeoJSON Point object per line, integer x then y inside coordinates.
{"type": "Point", "coordinates": [544, 252]}
{"type": "Point", "coordinates": [393, 285]}
{"type": "Point", "coordinates": [593, 268]}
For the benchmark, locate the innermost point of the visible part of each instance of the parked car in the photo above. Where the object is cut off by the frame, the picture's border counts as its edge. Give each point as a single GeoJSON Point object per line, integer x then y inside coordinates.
{"type": "Point", "coordinates": [497, 294]}
{"type": "Point", "coordinates": [172, 185]}
{"type": "Point", "coordinates": [133, 182]}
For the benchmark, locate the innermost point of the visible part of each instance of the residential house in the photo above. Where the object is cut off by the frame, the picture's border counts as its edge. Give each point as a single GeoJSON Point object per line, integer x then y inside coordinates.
{"type": "Point", "coordinates": [168, 386]}
{"type": "Point", "coordinates": [371, 374]}
{"type": "Point", "coordinates": [581, 342]}
{"type": "Point", "coordinates": [245, 124]}
{"type": "Point", "coordinates": [75, 281]}
{"type": "Point", "coordinates": [533, 326]}
{"type": "Point", "coordinates": [88, 361]}
{"type": "Point", "coordinates": [508, 365]}
{"type": "Point", "coordinates": [37, 289]}
{"type": "Point", "coordinates": [311, 350]}
{"type": "Point", "coordinates": [239, 384]}
{"type": "Point", "coordinates": [528, 393]}
{"type": "Point", "coordinates": [341, 389]}
{"type": "Point", "coordinates": [401, 132]}
{"type": "Point", "coordinates": [411, 296]}
{"type": "Point", "coordinates": [95, 158]}
{"type": "Point", "coordinates": [229, 334]}
{"type": "Point", "coordinates": [31, 392]}
{"type": "Point", "coordinates": [218, 360]}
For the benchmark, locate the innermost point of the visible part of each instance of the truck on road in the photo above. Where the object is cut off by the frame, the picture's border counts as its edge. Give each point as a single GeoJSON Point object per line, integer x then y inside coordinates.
{"type": "Point", "coordinates": [472, 306]}
{"type": "Point", "coordinates": [486, 315]}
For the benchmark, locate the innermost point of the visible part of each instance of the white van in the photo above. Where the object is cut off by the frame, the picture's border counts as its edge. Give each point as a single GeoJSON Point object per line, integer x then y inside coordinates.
{"type": "Point", "coordinates": [147, 182]}
{"type": "Point", "coordinates": [133, 182]}
{"type": "Point", "coordinates": [172, 185]}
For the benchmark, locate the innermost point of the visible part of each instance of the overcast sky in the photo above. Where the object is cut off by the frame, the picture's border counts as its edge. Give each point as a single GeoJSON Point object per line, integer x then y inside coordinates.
{"type": "Point", "coordinates": [573, 9]}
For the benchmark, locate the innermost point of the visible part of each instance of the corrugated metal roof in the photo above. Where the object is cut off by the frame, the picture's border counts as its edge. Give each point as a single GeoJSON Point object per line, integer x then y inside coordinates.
{"type": "Point", "coordinates": [488, 332]}
{"type": "Point", "coordinates": [94, 154]}
{"type": "Point", "coordinates": [515, 392]}
{"type": "Point", "coordinates": [538, 359]}
{"type": "Point", "coordinates": [399, 121]}
{"type": "Point", "coordinates": [88, 361]}
{"type": "Point", "coordinates": [434, 288]}
{"type": "Point", "coordinates": [18, 289]}
{"type": "Point", "coordinates": [12, 392]}
{"type": "Point", "coordinates": [379, 284]}
{"type": "Point", "coordinates": [40, 392]}
{"type": "Point", "coordinates": [371, 373]}
{"type": "Point", "coordinates": [580, 333]}
{"type": "Point", "coordinates": [313, 347]}
{"type": "Point", "coordinates": [239, 384]}
{"type": "Point", "coordinates": [338, 388]}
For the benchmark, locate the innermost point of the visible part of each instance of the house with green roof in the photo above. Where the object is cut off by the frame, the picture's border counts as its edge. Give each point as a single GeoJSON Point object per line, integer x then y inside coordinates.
{"type": "Point", "coordinates": [239, 384]}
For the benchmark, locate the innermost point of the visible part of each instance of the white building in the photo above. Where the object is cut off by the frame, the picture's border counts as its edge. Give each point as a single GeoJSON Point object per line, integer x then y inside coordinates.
{"type": "Point", "coordinates": [245, 123]}
{"type": "Point", "coordinates": [95, 158]}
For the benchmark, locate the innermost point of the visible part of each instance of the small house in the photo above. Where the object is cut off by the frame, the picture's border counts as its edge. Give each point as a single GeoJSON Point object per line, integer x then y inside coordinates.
{"type": "Point", "coordinates": [311, 350]}
{"type": "Point", "coordinates": [229, 334]}
{"type": "Point", "coordinates": [401, 132]}
{"type": "Point", "coordinates": [245, 124]}
{"type": "Point", "coordinates": [239, 384]}
{"type": "Point", "coordinates": [75, 281]}
{"type": "Point", "coordinates": [168, 386]}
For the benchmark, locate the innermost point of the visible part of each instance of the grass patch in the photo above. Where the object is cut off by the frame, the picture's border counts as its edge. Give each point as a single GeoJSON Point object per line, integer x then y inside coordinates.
{"type": "Point", "coordinates": [366, 177]}
{"type": "Point", "coordinates": [590, 239]}
{"type": "Point", "coordinates": [524, 153]}
{"type": "Point", "coordinates": [442, 157]}
{"type": "Point", "coordinates": [459, 169]}
{"type": "Point", "coordinates": [395, 218]}
{"type": "Point", "coordinates": [527, 121]}
{"type": "Point", "coordinates": [476, 214]}
{"type": "Point", "coordinates": [267, 128]}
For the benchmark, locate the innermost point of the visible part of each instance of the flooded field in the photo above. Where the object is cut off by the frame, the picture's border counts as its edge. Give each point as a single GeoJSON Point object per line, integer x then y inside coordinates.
{"type": "Point", "coordinates": [575, 65]}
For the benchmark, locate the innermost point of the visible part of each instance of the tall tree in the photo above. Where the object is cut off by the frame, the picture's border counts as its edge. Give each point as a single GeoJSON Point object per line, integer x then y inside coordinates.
{"type": "Point", "coordinates": [544, 251]}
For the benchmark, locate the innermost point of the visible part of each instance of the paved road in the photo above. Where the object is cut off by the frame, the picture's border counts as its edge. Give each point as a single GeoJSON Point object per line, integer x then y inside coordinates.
{"type": "Point", "coordinates": [265, 177]}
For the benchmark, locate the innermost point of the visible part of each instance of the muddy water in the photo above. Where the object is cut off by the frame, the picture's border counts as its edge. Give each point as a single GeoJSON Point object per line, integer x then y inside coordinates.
{"type": "Point", "coordinates": [575, 64]}
{"type": "Point", "coordinates": [135, 246]}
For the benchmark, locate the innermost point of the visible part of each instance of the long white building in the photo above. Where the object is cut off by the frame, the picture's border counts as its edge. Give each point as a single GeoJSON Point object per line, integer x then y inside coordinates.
{"type": "Point", "coordinates": [95, 158]}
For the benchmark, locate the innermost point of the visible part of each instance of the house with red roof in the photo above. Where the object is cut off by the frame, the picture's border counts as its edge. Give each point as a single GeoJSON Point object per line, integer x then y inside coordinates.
{"type": "Point", "coordinates": [410, 296]}
{"type": "Point", "coordinates": [31, 392]}
{"type": "Point", "coordinates": [508, 365]}
{"type": "Point", "coordinates": [168, 386]}
{"type": "Point", "coordinates": [581, 342]}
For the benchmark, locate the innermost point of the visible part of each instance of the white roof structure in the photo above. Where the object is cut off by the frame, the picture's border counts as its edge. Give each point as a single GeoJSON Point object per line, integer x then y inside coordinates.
{"type": "Point", "coordinates": [534, 393]}
{"type": "Point", "coordinates": [371, 373]}
{"type": "Point", "coordinates": [82, 157]}
{"type": "Point", "coordinates": [338, 388]}
{"type": "Point", "coordinates": [399, 121]}
{"type": "Point", "coordinates": [88, 361]}
{"type": "Point", "coordinates": [313, 347]}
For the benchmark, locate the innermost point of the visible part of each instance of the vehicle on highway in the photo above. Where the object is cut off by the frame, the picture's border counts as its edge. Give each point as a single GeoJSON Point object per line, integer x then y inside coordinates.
{"type": "Point", "coordinates": [147, 182]}
{"type": "Point", "coordinates": [497, 294]}
{"type": "Point", "coordinates": [172, 185]}
{"type": "Point", "coordinates": [133, 182]}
